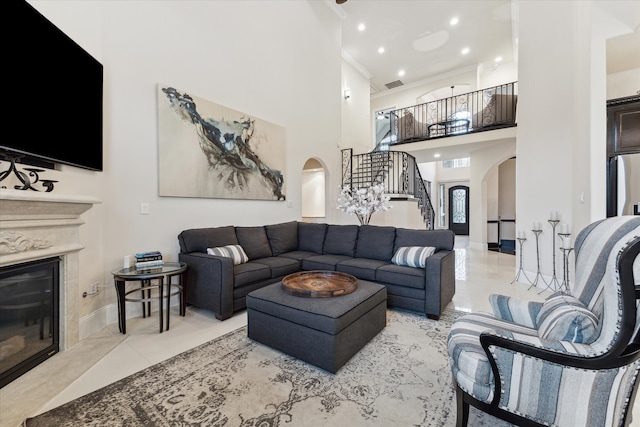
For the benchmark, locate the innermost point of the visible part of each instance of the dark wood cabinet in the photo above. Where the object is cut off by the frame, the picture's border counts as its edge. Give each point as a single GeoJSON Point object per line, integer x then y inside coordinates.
{"type": "Point", "coordinates": [623, 141]}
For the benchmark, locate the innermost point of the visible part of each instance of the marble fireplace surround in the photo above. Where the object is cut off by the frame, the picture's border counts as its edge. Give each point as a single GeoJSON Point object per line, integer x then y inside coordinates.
{"type": "Point", "coordinates": [35, 226]}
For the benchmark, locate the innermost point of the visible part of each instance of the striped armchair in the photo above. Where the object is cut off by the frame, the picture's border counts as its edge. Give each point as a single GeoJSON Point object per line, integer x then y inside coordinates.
{"type": "Point", "coordinates": [570, 361]}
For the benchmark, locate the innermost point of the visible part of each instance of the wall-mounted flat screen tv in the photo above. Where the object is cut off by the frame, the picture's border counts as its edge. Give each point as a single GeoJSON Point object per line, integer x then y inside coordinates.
{"type": "Point", "coordinates": [53, 92]}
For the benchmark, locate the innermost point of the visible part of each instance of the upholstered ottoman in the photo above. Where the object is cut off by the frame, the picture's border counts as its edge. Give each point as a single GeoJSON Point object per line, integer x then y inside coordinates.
{"type": "Point", "coordinates": [325, 332]}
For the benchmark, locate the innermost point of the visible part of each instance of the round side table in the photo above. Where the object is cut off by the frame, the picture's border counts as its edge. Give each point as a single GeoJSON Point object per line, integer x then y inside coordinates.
{"type": "Point", "coordinates": [163, 276]}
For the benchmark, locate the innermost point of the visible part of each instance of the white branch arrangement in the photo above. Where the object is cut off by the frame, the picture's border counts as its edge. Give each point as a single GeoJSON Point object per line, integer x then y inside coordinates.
{"type": "Point", "coordinates": [363, 202]}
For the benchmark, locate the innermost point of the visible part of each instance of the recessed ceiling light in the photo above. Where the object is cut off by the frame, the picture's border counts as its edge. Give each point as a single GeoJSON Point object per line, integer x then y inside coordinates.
{"type": "Point", "coordinates": [465, 51]}
{"type": "Point", "coordinates": [401, 73]}
{"type": "Point", "coordinates": [361, 27]}
{"type": "Point", "coordinates": [436, 155]}
{"type": "Point", "coordinates": [381, 49]}
{"type": "Point", "coordinates": [454, 21]}
{"type": "Point", "coordinates": [498, 58]}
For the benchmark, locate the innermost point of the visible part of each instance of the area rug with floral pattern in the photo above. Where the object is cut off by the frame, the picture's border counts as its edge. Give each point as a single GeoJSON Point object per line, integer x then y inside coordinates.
{"type": "Point", "coordinates": [400, 378]}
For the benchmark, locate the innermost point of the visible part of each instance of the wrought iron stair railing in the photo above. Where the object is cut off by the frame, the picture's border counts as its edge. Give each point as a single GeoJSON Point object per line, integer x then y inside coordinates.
{"type": "Point", "coordinates": [397, 171]}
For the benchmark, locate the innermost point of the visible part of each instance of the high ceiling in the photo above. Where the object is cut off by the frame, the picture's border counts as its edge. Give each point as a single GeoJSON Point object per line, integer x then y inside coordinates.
{"type": "Point", "coordinates": [417, 37]}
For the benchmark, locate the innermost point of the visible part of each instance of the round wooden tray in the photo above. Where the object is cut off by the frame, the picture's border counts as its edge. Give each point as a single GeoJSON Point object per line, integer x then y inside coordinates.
{"type": "Point", "coordinates": [319, 284]}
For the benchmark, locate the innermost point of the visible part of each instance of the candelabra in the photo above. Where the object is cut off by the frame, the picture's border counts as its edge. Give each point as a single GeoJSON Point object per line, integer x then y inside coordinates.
{"type": "Point", "coordinates": [566, 250]}
{"type": "Point", "coordinates": [565, 280]}
{"type": "Point", "coordinates": [538, 273]}
{"type": "Point", "coordinates": [521, 241]}
{"type": "Point", "coordinates": [554, 284]}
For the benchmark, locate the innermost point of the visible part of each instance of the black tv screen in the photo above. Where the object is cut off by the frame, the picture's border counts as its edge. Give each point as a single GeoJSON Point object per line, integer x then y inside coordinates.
{"type": "Point", "coordinates": [54, 102]}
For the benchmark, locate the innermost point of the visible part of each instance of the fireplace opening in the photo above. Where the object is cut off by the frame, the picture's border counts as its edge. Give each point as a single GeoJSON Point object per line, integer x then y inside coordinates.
{"type": "Point", "coordinates": [29, 316]}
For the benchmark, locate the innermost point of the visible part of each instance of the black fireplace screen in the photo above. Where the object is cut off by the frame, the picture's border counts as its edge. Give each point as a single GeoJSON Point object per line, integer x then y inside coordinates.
{"type": "Point", "coordinates": [29, 327]}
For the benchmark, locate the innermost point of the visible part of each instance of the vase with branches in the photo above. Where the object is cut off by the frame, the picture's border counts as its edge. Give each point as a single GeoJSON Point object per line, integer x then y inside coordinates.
{"type": "Point", "coordinates": [363, 202]}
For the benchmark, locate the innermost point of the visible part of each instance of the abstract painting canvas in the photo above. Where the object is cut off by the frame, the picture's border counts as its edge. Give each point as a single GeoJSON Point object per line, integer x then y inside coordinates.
{"type": "Point", "coordinates": [210, 151]}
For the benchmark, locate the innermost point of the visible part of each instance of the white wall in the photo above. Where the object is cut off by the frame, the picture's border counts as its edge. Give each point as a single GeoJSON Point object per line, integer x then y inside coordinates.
{"type": "Point", "coordinates": [562, 139]}
{"type": "Point", "coordinates": [357, 131]}
{"type": "Point", "coordinates": [285, 69]}
{"type": "Point", "coordinates": [493, 200]}
{"type": "Point", "coordinates": [622, 84]}
{"type": "Point", "coordinates": [507, 198]}
{"type": "Point", "coordinates": [483, 186]}
{"type": "Point", "coordinates": [313, 193]}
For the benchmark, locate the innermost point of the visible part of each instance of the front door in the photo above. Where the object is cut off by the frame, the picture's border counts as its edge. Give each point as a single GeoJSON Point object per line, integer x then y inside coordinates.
{"type": "Point", "coordinates": [459, 210]}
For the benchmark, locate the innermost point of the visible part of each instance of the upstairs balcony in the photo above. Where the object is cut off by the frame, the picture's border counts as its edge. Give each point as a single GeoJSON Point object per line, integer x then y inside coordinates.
{"type": "Point", "coordinates": [483, 110]}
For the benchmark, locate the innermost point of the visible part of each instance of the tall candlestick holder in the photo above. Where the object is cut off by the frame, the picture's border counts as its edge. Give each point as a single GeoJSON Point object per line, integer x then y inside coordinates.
{"type": "Point", "coordinates": [521, 241]}
{"type": "Point", "coordinates": [565, 262]}
{"type": "Point", "coordinates": [554, 284]}
{"type": "Point", "coordinates": [538, 273]}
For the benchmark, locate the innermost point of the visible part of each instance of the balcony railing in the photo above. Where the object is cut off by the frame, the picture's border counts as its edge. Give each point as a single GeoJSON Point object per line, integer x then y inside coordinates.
{"type": "Point", "coordinates": [478, 111]}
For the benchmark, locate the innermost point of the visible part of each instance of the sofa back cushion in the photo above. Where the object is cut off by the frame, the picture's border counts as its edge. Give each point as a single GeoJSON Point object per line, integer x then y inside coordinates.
{"type": "Point", "coordinates": [199, 239]}
{"type": "Point", "coordinates": [283, 237]}
{"type": "Point", "coordinates": [254, 242]}
{"type": "Point", "coordinates": [341, 240]}
{"type": "Point", "coordinates": [311, 236]}
{"type": "Point", "coordinates": [439, 239]}
{"type": "Point", "coordinates": [375, 242]}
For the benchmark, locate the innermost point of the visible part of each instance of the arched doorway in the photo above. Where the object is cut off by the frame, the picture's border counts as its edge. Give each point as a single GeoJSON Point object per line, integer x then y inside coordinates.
{"type": "Point", "coordinates": [313, 191]}
{"type": "Point", "coordinates": [459, 210]}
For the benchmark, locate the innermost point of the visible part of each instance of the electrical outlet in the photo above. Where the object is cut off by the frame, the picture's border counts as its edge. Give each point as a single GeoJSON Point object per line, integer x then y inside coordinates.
{"type": "Point", "coordinates": [95, 288]}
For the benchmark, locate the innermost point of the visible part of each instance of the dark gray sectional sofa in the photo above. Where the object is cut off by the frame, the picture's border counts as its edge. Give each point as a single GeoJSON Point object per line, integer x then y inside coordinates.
{"type": "Point", "coordinates": [274, 251]}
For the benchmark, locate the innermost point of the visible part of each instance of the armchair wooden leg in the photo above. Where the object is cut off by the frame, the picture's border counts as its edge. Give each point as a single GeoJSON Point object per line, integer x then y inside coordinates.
{"type": "Point", "coordinates": [462, 416]}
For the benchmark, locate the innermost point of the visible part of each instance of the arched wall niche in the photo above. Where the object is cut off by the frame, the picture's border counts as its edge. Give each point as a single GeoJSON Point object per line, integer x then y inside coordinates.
{"type": "Point", "coordinates": [314, 190]}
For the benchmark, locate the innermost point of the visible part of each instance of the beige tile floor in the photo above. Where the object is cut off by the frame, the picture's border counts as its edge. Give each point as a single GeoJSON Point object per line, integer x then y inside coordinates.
{"type": "Point", "coordinates": [108, 356]}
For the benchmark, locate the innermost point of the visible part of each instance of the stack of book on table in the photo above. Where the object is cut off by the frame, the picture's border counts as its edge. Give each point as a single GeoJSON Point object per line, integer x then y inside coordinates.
{"type": "Point", "coordinates": [149, 259]}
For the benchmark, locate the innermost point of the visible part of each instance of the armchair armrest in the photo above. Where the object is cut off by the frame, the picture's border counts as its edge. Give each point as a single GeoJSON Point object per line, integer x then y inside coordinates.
{"type": "Point", "coordinates": [506, 349]}
{"type": "Point", "coordinates": [210, 282]}
{"type": "Point", "coordinates": [561, 367]}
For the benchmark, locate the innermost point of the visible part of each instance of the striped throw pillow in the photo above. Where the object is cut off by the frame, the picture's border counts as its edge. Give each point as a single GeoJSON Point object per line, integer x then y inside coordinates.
{"type": "Point", "coordinates": [413, 256]}
{"type": "Point", "coordinates": [563, 317]}
{"type": "Point", "coordinates": [235, 252]}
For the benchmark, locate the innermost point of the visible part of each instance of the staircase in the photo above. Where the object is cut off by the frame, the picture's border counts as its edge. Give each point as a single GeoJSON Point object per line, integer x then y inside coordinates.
{"type": "Point", "coordinates": [397, 171]}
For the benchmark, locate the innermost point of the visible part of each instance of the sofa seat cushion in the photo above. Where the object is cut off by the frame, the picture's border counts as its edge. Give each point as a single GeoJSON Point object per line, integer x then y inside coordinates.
{"type": "Point", "coordinates": [401, 275]}
{"type": "Point", "coordinates": [280, 266]}
{"type": "Point", "coordinates": [299, 255]}
{"type": "Point", "coordinates": [362, 268]}
{"type": "Point", "coordinates": [323, 262]}
{"type": "Point", "coordinates": [250, 272]}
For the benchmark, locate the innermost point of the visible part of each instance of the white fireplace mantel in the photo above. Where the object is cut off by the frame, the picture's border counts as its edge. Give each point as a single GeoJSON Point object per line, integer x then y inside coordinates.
{"type": "Point", "coordinates": [36, 226]}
